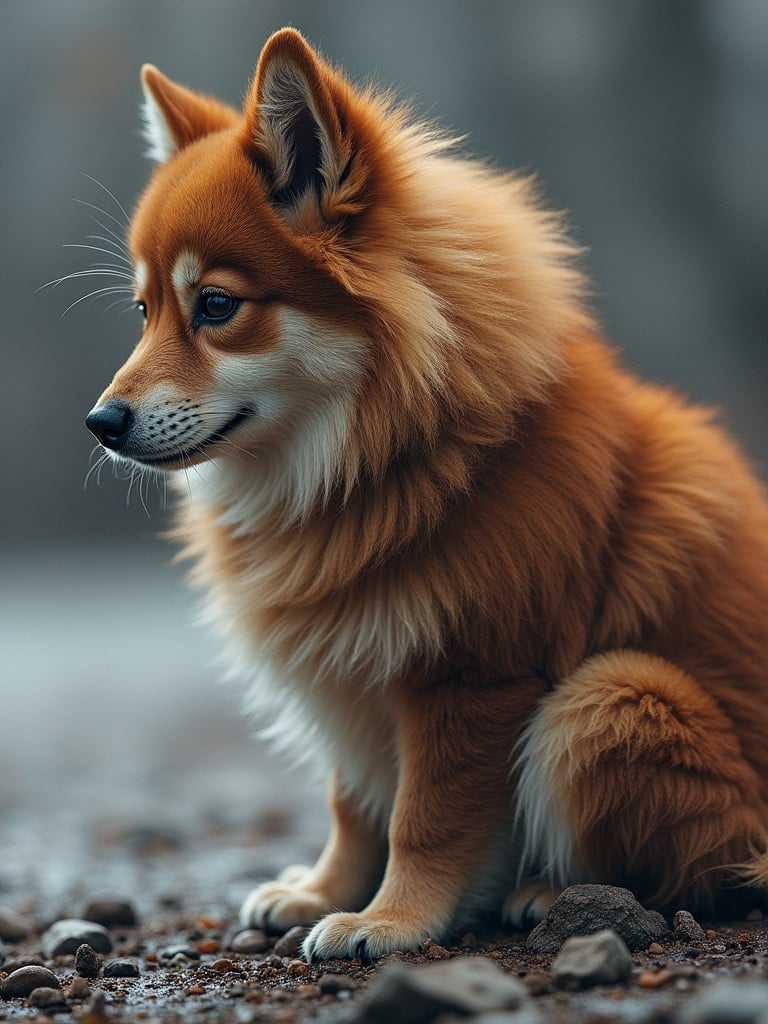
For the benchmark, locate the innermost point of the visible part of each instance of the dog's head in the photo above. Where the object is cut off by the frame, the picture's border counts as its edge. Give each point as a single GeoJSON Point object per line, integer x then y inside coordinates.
{"type": "Point", "coordinates": [251, 334]}
{"type": "Point", "coordinates": [322, 280]}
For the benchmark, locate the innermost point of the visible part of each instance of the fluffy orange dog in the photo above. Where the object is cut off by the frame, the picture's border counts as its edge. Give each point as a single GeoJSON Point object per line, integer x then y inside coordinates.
{"type": "Point", "coordinates": [513, 600]}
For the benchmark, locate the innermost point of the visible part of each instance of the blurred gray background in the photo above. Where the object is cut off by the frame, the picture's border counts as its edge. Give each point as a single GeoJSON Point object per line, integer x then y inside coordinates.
{"type": "Point", "coordinates": [645, 120]}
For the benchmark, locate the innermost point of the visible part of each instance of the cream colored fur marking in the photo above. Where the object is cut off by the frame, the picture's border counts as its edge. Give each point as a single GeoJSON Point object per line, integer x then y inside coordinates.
{"type": "Point", "coordinates": [548, 841]}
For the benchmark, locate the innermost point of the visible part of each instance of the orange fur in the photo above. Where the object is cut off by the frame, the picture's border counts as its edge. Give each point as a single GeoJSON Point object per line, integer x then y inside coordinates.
{"type": "Point", "coordinates": [447, 499]}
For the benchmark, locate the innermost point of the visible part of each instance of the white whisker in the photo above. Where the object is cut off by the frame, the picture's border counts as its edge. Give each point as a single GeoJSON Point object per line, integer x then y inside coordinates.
{"type": "Point", "coordinates": [111, 195]}
{"type": "Point", "coordinates": [94, 294]}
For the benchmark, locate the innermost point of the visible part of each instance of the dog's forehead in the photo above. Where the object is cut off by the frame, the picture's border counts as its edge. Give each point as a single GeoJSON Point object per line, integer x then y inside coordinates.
{"type": "Point", "coordinates": [207, 200]}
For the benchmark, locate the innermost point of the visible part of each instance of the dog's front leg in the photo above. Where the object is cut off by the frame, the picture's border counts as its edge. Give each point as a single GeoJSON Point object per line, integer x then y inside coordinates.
{"type": "Point", "coordinates": [454, 752]}
{"type": "Point", "coordinates": [345, 875]}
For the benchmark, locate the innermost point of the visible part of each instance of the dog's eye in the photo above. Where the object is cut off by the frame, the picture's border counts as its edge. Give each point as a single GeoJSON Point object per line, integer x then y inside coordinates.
{"type": "Point", "coordinates": [216, 305]}
{"type": "Point", "coordinates": [142, 308]}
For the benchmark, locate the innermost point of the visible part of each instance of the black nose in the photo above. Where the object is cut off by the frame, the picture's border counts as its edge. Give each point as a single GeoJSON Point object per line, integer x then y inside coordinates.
{"type": "Point", "coordinates": [111, 423]}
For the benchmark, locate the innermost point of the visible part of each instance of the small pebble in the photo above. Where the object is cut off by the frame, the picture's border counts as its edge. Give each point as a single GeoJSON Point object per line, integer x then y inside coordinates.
{"type": "Point", "coordinates": [87, 961]}
{"type": "Point", "coordinates": [122, 967]}
{"type": "Point", "coordinates": [655, 948]}
{"type": "Point", "coordinates": [654, 979]}
{"type": "Point", "coordinates": [297, 969]}
{"type": "Point", "coordinates": [25, 980]}
{"type": "Point", "coordinates": [66, 935]}
{"type": "Point", "coordinates": [250, 941]}
{"type": "Point", "coordinates": [290, 943]}
{"type": "Point", "coordinates": [686, 928]}
{"type": "Point", "coordinates": [332, 984]}
{"type": "Point", "coordinates": [79, 989]}
{"type": "Point", "coordinates": [111, 913]}
{"type": "Point", "coordinates": [437, 953]}
{"type": "Point", "coordinates": [45, 997]}
{"type": "Point", "coordinates": [223, 965]}
{"type": "Point", "coordinates": [208, 946]}
{"type": "Point", "coordinates": [308, 991]}
{"type": "Point", "coordinates": [195, 990]}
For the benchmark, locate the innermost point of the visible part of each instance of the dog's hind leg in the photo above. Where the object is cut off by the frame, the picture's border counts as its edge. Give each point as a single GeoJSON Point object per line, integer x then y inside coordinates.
{"type": "Point", "coordinates": [631, 774]}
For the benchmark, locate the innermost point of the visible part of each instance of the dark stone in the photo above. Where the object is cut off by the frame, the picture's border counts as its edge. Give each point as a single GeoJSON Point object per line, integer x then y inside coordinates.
{"type": "Point", "coordinates": [686, 928]}
{"type": "Point", "coordinates": [464, 985]}
{"type": "Point", "coordinates": [87, 961]}
{"type": "Point", "coordinates": [589, 960]}
{"type": "Point", "coordinates": [111, 913]}
{"type": "Point", "coordinates": [332, 984]}
{"type": "Point", "coordinates": [290, 943]}
{"type": "Point", "coordinates": [122, 967]}
{"type": "Point", "coordinates": [25, 980]}
{"type": "Point", "coordinates": [46, 997]}
{"type": "Point", "coordinates": [66, 935]}
{"type": "Point", "coordinates": [586, 909]}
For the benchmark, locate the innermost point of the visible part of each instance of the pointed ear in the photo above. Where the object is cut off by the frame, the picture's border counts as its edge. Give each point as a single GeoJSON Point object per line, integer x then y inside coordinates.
{"type": "Point", "coordinates": [174, 116]}
{"type": "Point", "coordinates": [297, 130]}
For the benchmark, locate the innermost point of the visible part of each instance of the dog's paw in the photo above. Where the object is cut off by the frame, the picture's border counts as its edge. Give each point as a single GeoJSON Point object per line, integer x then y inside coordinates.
{"type": "Point", "coordinates": [278, 906]}
{"type": "Point", "coordinates": [359, 936]}
{"type": "Point", "coordinates": [528, 905]}
{"type": "Point", "coordinates": [293, 874]}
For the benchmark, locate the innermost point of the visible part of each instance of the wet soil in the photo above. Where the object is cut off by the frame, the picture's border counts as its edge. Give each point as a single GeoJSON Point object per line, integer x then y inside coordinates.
{"type": "Point", "coordinates": [185, 883]}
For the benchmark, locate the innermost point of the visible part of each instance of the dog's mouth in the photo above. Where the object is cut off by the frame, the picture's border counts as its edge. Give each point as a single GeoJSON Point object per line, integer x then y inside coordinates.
{"type": "Point", "coordinates": [197, 449]}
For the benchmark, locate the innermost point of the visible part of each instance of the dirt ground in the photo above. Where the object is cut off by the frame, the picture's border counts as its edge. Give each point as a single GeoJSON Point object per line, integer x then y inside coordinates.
{"type": "Point", "coordinates": [185, 883]}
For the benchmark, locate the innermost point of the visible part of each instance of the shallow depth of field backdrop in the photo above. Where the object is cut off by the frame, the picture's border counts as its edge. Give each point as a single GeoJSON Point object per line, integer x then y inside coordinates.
{"type": "Point", "coordinates": [644, 120]}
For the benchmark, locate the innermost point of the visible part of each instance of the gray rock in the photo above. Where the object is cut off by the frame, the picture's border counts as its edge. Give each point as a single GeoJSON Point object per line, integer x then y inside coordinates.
{"type": "Point", "coordinates": [728, 1002]}
{"type": "Point", "coordinates": [46, 997]}
{"type": "Point", "coordinates": [122, 967]}
{"type": "Point", "coordinates": [250, 941]}
{"type": "Point", "coordinates": [111, 913]}
{"type": "Point", "coordinates": [66, 935]}
{"type": "Point", "coordinates": [464, 985]}
{"type": "Point", "coordinates": [87, 961]}
{"type": "Point", "coordinates": [586, 909]}
{"type": "Point", "coordinates": [686, 928]}
{"type": "Point", "coordinates": [290, 943]}
{"type": "Point", "coordinates": [25, 980]}
{"type": "Point", "coordinates": [589, 960]}
{"type": "Point", "coordinates": [13, 927]}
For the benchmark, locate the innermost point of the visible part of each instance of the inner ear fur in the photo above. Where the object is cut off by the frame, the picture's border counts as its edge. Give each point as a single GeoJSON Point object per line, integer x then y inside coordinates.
{"type": "Point", "coordinates": [175, 116]}
{"type": "Point", "coordinates": [296, 130]}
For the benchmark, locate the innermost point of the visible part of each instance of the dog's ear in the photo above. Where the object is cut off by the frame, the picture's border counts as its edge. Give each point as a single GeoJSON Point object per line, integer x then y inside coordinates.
{"type": "Point", "coordinates": [174, 116]}
{"type": "Point", "coordinates": [297, 131]}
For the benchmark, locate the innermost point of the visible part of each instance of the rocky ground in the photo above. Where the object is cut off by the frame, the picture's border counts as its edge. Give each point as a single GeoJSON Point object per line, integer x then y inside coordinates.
{"type": "Point", "coordinates": [165, 946]}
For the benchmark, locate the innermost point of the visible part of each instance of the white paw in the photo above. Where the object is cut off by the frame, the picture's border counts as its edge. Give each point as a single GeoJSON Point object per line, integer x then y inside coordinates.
{"type": "Point", "coordinates": [353, 936]}
{"type": "Point", "coordinates": [278, 906]}
{"type": "Point", "coordinates": [528, 905]}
